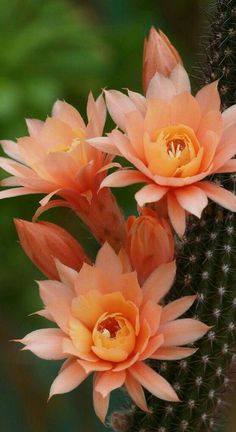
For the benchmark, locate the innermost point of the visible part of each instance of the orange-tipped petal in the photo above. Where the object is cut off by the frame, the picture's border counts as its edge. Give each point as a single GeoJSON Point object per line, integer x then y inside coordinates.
{"type": "Point", "coordinates": [161, 87]}
{"type": "Point", "coordinates": [94, 366]}
{"type": "Point", "coordinates": [118, 105]}
{"type": "Point", "coordinates": [176, 214]}
{"type": "Point", "coordinates": [136, 392]}
{"type": "Point", "coordinates": [143, 337]}
{"type": "Point", "coordinates": [176, 308]}
{"type": "Point", "coordinates": [53, 291]}
{"type": "Point", "coordinates": [182, 331]}
{"type": "Point", "coordinates": [150, 193]}
{"type": "Point", "coordinates": [10, 148]}
{"type": "Point", "coordinates": [157, 116]}
{"type": "Point", "coordinates": [139, 101]}
{"type": "Point", "coordinates": [159, 56]}
{"type": "Point", "coordinates": [226, 148]}
{"type": "Point", "coordinates": [173, 353]}
{"type": "Point", "coordinates": [103, 144]}
{"type": "Point", "coordinates": [228, 167]}
{"type": "Point", "coordinates": [101, 405]}
{"type": "Point", "coordinates": [68, 379]}
{"type": "Point", "coordinates": [208, 98]}
{"type": "Point", "coordinates": [88, 308]}
{"type": "Point", "coordinates": [220, 195]}
{"type": "Point", "coordinates": [91, 278]}
{"type": "Point", "coordinates": [10, 193]}
{"type": "Point", "coordinates": [108, 381]}
{"type": "Point", "coordinates": [123, 178]}
{"type": "Point", "coordinates": [159, 282]}
{"type": "Point", "coordinates": [44, 241]}
{"type": "Point", "coordinates": [152, 313]}
{"type": "Point", "coordinates": [180, 79]}
{"type": "Point", "coordinates": [108, 261]}
{"type": "Point", "coordinates": [80, 335]}
{"type": "Point", "coordinates": [211, 121]}
{"type": "Point", "coordinates": [45, 343]}
{"type": "Point", "coordinates": [229, 116]}
{"type": "Point", "coordinates": [128, 285]}
{"type": "Point", "coordinates": [68, 114]}
{"type": "Point", "coordinates": [153, 382]}
{"type": "Point", "coordinates": [67, 274]}
{"type": "Point", "coordinates": [192, 199]}
{"type": "Point", "coordinates": [60, 312]}
{"type": "Point", "coordinates": [185, 110]}
{"type": "Point", "coordinates": [153, 344]}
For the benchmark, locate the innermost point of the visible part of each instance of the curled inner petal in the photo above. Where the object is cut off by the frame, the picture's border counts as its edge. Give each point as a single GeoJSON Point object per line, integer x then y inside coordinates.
{"type": "Point", "coordinates": [113, 337]}
{"type": "Point", "coordinates": [174, 148]}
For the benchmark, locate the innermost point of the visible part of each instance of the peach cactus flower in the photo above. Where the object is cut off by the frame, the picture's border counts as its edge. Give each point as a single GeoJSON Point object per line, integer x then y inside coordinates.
{"type": "Point", "coordinates": [175, 141]}
{"type": "Point", "coordinates": [55, 159]}
{"type": "Point", "coordinates": [109, 325]}
{"type": "Point", "coordinates": [159, 56]}
{"type": "Point", "coordinates": [150, 242]}
{"type": "Point", "coordinates": [44, 242]}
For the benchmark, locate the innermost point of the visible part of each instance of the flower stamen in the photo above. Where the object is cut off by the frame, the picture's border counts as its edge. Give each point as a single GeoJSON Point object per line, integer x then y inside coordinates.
{"type": "Point", "coordinates": [175, 148]}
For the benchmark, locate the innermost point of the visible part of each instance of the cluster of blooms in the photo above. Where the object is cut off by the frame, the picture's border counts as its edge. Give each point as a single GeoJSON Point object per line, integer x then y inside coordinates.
{"type": "Point", "coordinates": [111, 315]}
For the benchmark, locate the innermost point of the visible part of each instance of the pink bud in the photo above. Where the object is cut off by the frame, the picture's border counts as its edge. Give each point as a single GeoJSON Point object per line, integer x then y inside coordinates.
{"type": "Point", "coordinates": [45, 241]}
{"type": "Point", "coordinates": [159, 56]}
{"type": "Point", "coordinates": [150, 243]}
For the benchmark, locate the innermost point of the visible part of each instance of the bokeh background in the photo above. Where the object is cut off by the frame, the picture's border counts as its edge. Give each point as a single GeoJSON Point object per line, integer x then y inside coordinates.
{"type": "Point", "coordinates": [62, 49]}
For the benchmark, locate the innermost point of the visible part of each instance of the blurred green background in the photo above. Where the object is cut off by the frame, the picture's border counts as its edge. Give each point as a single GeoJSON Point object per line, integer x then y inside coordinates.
{"type": "Point", "coordinates": [54, 49]}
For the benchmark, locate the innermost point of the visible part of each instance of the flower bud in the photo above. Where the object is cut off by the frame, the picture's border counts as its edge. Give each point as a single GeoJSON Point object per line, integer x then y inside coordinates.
{"type": "Point", "coordinates": [159, 56]}
{"type": "Point", "coordinates": [45, 241]}
{"type": "Point", "coordinates": [150, 242]}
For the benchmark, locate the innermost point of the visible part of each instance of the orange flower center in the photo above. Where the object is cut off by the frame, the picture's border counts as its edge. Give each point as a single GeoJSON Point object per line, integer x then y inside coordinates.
{"type": "Point", "coordinates": [113, 337]}
{"type": "Point", "coordinates": [174, 148]}
{"type": "Point", "coordinates": [109, 327]}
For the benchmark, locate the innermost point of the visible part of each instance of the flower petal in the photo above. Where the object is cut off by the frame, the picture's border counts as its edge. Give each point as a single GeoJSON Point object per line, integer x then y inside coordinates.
{"type": "Point", "coordinates": [128, 285]}
{"type": "Point", "coordinates": [220, 195]}
{"type": "Point", "coordinates": [185, 110]}
{"type": "Point", "coordinates": [153, 382]}
{"type": "Point", "coordinates": [52, 291]}
{"type": "Point", "coordinates": [229, 116]}
{"type": "Point", "coordinates": [161, 87]}
{"type": "Point", "coordinates": [192, 199]}
{"type": "Point", "coordinates": [108, 262]}
{"type": "Point", "coordinates": [173, 353]}
{"type": "Point", "coordinates": [136, 392]}
{"type": "Point", "coordinates": [123, 178]}
{"type": "Point", "coordinates": [103, 144]}
{"type": "Point", "coordinates": [226, 148]}
{"type": "Point", "coordinates": [176, 214]}
{"type": "Point", "coordinates": [153, 344]}
{"type": "Point", "coordinates": [94, 366]}
{"type": "Point", "coordinates": [176, 308]}
{"type": "Point", "coordinates": [91, 278]}
{"type": "Point", "coordinates": [100, 403]}
{"type": "Point", "coordinates": [45, 343]}
{"type": "Point", "coordinates": [118, 105]}
{"type": "Point", "coordinates": [182, 331]}
{"type": "Point", "coordinates": [68, 114]}
{"type": "Point", "coordinates": [228, 167]}
{"type": "Point", "coordinates": [150, 193]}
{"type": "Point", "coordinates": [152, 313]}
{"type": "Point", "coordinates": [159, 282]}
{"type": "Point", "coordinates": [108, 381]}
{"type": "Point", "coordinates": [68, 379]}
{"type": "Point", "coordinates": [139, 101]}
{"type": "Point", "coordinates": [208, 98]}
{"type": "Point", "coordinates": [180, 79]}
